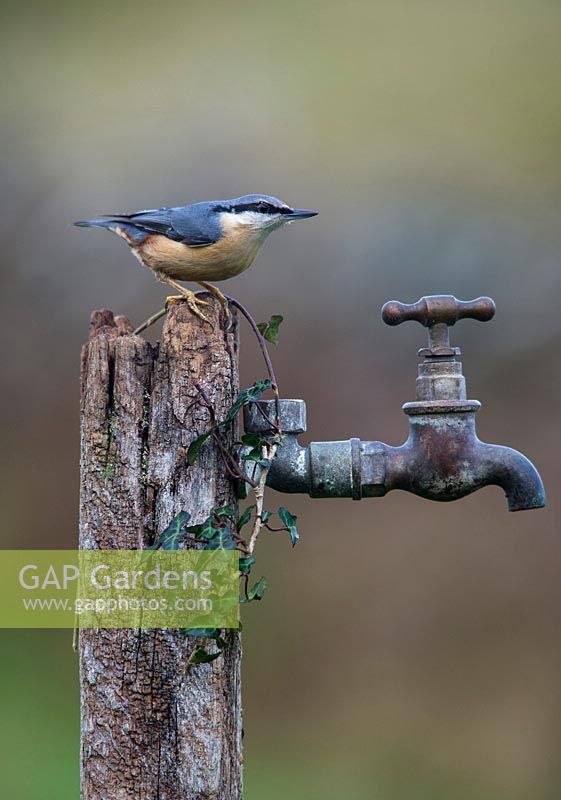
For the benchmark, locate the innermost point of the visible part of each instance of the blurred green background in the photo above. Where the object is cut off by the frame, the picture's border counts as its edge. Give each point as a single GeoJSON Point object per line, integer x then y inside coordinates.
{"type": "Point", "coordinates": [405, 649]}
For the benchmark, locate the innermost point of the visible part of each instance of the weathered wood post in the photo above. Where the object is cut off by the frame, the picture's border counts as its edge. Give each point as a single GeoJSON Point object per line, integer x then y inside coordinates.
{"type": "Point", "coordinates": [149, 731]}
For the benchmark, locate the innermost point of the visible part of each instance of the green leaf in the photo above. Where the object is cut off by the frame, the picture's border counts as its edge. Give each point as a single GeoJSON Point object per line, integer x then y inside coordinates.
{"type": "Point", "coordinates": [200, 656]}
{"type": "Point", "coordinates": [250, 395]}
{"type": "Point", "coordinates": [203, 633]}
{"type": "Point", "coordinates": [254, 456]}
{"type": "Point", "coordinates": [206, 633]}
{"type": "Point", "coordinates": [257, 590]}
{"type": "Point", "coordinates": [225, 511]}
{"type": "Point", "coordinates": [244, 518]}
{"type": "Point", "coordinates": [217, 536]}
{"type": "Point", "coordinates": [246, 564]}
{"type": "Point", "coordinates": [255, 442]}
{"type": "Point", "coordinates": [222, 540]}
{"type": "Point", "coordinates": [170, 539]}
{"type": "Point", "coordinates": [204, 530]}
{"type": "Point", "coordinates": [289, 521]}
{"type": "Point", "coordinates": [270, 330]}
{"type": "Point", "coordinates": [252, 439]}
{"type": "Point", "coordinates": [196, 445]}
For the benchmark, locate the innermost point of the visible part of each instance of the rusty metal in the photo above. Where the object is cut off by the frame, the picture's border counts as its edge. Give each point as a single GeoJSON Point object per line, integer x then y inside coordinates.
{"type": "Point", "coordinates": [442, 458]}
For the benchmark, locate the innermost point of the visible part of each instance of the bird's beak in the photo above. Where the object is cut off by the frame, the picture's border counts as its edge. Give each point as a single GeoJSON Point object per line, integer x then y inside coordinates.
{"type": "Point", "coordinates": [301, 213]}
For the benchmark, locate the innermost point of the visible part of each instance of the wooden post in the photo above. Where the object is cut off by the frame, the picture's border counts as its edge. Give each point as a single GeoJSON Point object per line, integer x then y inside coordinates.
{"type": "Point", "coordinates": [149, 731]}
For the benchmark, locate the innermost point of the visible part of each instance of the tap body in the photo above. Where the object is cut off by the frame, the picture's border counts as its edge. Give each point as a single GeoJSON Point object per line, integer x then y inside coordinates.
{"type": "Point", "coordinates": [442, 459]}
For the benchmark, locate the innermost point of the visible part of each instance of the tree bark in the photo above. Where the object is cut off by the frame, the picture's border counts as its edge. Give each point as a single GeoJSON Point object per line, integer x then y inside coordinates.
{"type": "Point", "coordinates": [149, 731]}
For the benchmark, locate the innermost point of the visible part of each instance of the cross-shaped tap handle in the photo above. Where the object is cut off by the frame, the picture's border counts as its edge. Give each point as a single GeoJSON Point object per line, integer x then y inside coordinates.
{"type": "Point", "coordinates": [438, 308]}
{"type": "Point", "coordinates": [438, 313]}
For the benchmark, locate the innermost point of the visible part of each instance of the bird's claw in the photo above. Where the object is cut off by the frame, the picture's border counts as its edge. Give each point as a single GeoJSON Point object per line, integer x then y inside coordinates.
{"type": "Point", "coordinates": [223, 300]}
{"type": "Point", "coordinates": [193, 302]}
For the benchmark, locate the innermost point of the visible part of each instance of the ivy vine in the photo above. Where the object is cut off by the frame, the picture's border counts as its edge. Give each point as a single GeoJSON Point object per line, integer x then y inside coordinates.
{"type": "Point", "coordinates": [248, 460]}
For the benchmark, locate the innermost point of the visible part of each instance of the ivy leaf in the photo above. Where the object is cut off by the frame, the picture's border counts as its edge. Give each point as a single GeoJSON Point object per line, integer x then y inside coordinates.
{"type": "Point", "coordinates": [196, 445]}
{"type": "Point", "coordinates": [204, 530]}
{"type": "Point", "coordinates": [289, 521]}
{"type": "Point", "coordinates": [270, 330]}
{"type": "Point", "coordinates": [257, 441]}
{"type": "Point", "coordinates": [254, 457]}
{"type": "Point", "coordinates": [244, 518]}
{"type": "Point", "coordinates": [250, 395]}
{"type": "Point", "coordinates": [222, 540]}
{"type": "Point", "coordinates": [200, 656]}
{"type": "Point", "coordinates": [216, 535]}
{"type": "Point", "coordinates": [225, 511]}
{"type": "Point", "coordinates": [257, 590]}
{"type": "Point", "coordinates": [252, 439]}
{"type": "Point", "coordinates": [206, 633]}
{"type": "Point", "coordinates": [245, 564]}
{"type": "Point", "coordinates": [203, 633]}
{"type": "Point", "coordinates": [170, 539]}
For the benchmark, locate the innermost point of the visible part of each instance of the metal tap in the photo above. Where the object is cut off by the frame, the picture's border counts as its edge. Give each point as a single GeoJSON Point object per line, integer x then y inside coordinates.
{"type": "Point", "coordinates": [442, 458]}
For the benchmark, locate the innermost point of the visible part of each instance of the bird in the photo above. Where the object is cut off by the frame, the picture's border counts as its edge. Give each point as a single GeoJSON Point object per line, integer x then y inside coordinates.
{"type": "Point", "coordinates": [208, 241]}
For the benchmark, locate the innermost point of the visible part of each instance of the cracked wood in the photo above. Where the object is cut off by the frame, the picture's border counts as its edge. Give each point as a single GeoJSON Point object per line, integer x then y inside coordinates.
{"type": "Point", "coordinates": [148, 730]}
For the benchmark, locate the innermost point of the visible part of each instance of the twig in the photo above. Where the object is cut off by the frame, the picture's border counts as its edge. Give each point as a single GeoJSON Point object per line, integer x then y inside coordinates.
{"type": "Point", "coordinates": [229, 461]}
{"type": "Point", "coordinates": [268, 452]}
{"type": "Point", "coordinates": [150, 321]}
{"type": "Point", "coordinates": [266, 356]}
{"type": "Point", "coordinates": [267, 418]}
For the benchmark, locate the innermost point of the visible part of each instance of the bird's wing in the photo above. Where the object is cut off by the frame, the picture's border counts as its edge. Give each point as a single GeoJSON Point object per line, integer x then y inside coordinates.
{"type": "Point", "coordinates": [178, 224]}
{"type": "Point", "coordinates": [193, 226]}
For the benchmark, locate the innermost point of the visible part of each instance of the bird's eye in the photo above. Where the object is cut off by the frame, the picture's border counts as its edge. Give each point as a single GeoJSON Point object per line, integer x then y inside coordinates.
{"type": "Point", "coordinates": [259, 207]}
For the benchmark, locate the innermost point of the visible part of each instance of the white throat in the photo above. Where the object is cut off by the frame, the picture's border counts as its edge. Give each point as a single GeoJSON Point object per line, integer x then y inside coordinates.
{"type": "Point", "coordinates": [251, 221]}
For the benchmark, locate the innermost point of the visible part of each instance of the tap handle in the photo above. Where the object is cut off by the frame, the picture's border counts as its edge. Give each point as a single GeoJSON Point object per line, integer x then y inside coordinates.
{"type": "Point", "coordinates": [439, 308]}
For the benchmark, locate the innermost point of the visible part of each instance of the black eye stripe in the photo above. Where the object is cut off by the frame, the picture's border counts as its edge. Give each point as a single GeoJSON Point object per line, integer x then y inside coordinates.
{"type": "Point", "coordinates": [261, 207]}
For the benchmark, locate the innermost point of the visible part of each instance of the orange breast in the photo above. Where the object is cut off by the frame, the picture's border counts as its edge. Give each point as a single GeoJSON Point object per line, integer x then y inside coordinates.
{"type": "Point", "coordinates": [216, 262]}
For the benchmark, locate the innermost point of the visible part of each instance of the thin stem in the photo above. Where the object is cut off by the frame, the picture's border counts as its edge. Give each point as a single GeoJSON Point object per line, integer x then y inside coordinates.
{"type": "Point", "coordinates": [264, 351]}
{"type": "Point", "coordinates": [75, 634]}
{"type": "Point", "coordinates": [268, 452]}
{"type": "Point", "coordinates": [229, 461]}
{"type": "Point", "coordinates": [267, 419]}
{"type": "Point", "coordinates": [150, 321]}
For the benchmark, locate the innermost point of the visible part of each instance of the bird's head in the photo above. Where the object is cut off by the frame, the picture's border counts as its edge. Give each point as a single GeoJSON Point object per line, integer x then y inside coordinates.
{"type": "Point", "coordinates": [258, 212]}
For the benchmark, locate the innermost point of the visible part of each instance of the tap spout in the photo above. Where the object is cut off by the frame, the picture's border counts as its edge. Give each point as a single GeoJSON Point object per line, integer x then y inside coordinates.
{"type": "Point", "coordinates": [516, 475]}
{"type": "Point", "coordinates": [444, 460]}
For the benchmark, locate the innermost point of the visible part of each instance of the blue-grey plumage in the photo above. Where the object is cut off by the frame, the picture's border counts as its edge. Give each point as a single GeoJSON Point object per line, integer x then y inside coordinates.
{"type": "Point", "coordinates": [209, 241]}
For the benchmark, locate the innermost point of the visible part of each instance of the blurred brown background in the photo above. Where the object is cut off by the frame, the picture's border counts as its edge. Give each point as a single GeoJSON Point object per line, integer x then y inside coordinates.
{"type": "Point", "coordinates": [404, 649]}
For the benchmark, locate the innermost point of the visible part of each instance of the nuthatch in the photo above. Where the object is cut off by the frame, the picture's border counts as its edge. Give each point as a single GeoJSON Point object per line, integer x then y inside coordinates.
{"type": "Point", "coordinates": [213, 240]}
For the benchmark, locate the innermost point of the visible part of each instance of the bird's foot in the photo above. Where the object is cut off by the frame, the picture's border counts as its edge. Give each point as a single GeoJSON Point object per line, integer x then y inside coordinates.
{"type": "Point", "coordinates": [228, 319]}
{"type": "Point", "coordinates": [215, 291]}
{"type": "Point", "coordinates": [192, 301]}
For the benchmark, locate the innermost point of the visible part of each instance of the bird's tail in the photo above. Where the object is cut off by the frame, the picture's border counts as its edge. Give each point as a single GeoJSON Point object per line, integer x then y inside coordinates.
{"type": "Point", "coordinates": [96, 223]}
{"type": "Point", "coordinates": [122, 228]}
